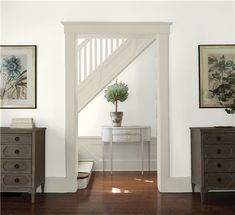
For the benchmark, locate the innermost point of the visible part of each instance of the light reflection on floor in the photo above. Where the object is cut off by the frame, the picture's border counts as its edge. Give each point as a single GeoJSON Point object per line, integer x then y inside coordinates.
{"type": "Point", "coordinates": [147, 181]}
{"type": "Point", "coordinates": [117, 190]}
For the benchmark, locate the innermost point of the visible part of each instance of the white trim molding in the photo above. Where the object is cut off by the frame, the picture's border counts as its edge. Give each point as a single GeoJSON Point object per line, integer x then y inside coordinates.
{"type": "Point", "coordinates": [156, 30]}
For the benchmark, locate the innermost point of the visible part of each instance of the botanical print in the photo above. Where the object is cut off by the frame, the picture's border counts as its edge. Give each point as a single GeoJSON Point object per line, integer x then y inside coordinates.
{"type": "Point", "coordinates": [13, 76]}
{"type": "Point", "coordinates": [17, 76]}
{"type": "Point", "coordinates": [217, 74]}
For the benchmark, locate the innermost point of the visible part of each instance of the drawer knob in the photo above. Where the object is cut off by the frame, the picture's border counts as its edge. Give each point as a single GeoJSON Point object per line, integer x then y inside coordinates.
{"type": "Point", "coordinates": [17, 180]}
{"type": "Point", "coordinates": [17, 166]}
{"type": "Point", "coordinates": [17, 139]}
{"type": "Point", "coordinates": [219, 179]}
{"type": "Point", "coordinates": [219, 151]}
{"type": "Point", "coordinates": [218, 138]}
{"type": "Point", "coordinates": [219, 165]}
{"type": "Point", "coordinates": [17, 151]}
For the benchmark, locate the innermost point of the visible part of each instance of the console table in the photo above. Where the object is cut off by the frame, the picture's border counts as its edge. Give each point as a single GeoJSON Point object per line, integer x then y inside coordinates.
{"type": "Point", "coordinates": [124, 134]}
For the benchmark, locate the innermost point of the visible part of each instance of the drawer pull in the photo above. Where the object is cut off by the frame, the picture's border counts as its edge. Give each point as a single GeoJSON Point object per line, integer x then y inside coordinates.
{"type": "Point", "coordinates": [219, 179]}
{"type": "Point", "coordinates": [17, 139]}
{"type": "Point", "coordinates": [17, 166]}
{"type": "Point", "coordinates": [17, 180]}
{"type": "Point", "coordinates": [219, 151]}
{"type": "Point", "coordinates": [219, 165]}
{"type": "Point", "coordinates": [218, 138]}
{"type": "Point", "coordinates": [17, 151]}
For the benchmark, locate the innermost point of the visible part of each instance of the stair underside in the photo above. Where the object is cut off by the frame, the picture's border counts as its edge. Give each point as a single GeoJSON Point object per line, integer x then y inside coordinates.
{"type": "Point", "coordinates": [110, 69]}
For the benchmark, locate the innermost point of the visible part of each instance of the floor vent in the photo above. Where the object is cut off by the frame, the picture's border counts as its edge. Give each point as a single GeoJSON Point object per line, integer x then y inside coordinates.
{"type": "Point", "coordinates": [84, 173]}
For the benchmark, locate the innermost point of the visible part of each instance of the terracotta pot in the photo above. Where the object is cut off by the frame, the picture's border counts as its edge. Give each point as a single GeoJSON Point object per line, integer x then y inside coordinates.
{"type": "Point", "coordinates": [116, 118]}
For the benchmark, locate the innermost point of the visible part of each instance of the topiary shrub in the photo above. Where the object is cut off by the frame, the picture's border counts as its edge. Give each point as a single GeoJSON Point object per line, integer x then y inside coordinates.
{"type": "Point", "coordinates": [116, 92]}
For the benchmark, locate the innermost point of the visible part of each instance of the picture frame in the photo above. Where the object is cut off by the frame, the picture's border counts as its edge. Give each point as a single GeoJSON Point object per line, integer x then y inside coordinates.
{"type": "Point", "coordinates": [18, 73]}
{"type": "Point", "coordinates": [216, 75]}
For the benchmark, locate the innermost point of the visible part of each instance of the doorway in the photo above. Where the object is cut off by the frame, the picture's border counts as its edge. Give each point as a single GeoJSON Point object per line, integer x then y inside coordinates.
{"type": "Point", "coordinates": [158, 31]}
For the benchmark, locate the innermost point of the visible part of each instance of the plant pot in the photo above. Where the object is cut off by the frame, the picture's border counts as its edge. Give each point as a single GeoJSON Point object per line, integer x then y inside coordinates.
{"type": "Point", "coordinates": [116, 118]}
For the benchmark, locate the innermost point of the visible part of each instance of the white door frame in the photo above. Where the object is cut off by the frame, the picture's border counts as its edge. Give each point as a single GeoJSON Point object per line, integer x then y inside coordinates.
{"type": "Point", "coordinates": [158, 30]}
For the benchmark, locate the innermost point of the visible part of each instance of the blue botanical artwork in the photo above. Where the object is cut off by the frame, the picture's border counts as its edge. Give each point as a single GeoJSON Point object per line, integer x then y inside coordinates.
{"type": "Point", "coordinates": [13, 77]}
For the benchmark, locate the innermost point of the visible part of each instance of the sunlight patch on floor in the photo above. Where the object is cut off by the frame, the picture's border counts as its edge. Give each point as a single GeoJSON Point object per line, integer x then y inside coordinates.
{"type": "Point", "coordinates": [117, 190]}
{"type": "Point", "coordinates": [147, 181]}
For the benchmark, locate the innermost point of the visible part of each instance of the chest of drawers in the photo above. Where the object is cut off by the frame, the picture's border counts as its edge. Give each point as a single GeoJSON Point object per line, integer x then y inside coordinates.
{"type": "Point", "coordinates": [213, 159]}
{"type": "Point", "coordinates": [22, 160]}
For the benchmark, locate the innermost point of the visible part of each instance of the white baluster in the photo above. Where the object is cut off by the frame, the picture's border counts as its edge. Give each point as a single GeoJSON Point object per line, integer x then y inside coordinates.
{"type": "Point", "coordinates": [85, 62]}
{"type": "Point", "coordinates": [79, 59]}
{"type": "Point", "coordinates": [91, 57]}
{"type": "Point", "coordinates": [95, 52]}
{"type": "Point", "coordinates": [106, 48]}
{"type": "Point", "coordinates": [101, 50]}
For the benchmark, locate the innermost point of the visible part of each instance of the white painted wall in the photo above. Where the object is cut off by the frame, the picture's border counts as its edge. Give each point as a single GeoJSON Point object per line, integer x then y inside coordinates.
{"type": "Point", "coordinates": [193, 23]}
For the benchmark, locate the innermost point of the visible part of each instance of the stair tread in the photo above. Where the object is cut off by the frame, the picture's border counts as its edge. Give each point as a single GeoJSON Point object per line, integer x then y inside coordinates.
{"type": "Point", "coordinates": [85, 166]}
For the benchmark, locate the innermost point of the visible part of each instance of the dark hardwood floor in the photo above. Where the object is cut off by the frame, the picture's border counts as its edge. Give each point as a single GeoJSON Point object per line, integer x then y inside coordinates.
{"type": "Point", "coordinates": [121, 193]}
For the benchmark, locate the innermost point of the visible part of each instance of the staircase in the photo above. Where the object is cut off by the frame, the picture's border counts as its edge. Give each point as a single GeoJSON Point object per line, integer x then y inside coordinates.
{"type": "Point", "coordinates": [100, 60]}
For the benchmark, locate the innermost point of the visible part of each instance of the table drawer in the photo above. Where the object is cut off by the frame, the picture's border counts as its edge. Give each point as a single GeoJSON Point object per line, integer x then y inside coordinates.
{"type": "Point", "coordinates": [219, 138]}
{"type": "Point", "coordinates": [16, 180]}
{"type": "Point", "coordinates": [117, 131]}
{"type": "Point", "coordinates": [16, 151]}
{"type": "Point", "coordinates": [225, 180]}
{"type": "Point", "coordinates": [19, 166]}
{"type": "Point", "coordinates": [220, 165]}
{"type": "Point", "coordinates": [126, 138]}
{"type": "Point", "coordinates": [219, 151]}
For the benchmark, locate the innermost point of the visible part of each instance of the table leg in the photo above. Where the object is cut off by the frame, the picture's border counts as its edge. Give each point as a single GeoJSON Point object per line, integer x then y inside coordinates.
{"type": "Point", "coordinates": [103, 155]}
{"type": "Point", "coordinates": [111, 157]}
{"type": "Point", "coordinates": [149, 145]}
{"type": "Point", "coordinates": [142, 150]}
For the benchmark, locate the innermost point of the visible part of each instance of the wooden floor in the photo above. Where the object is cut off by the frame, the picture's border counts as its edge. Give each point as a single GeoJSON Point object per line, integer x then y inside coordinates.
{"type": "Point", "coordinates": [122, 193]}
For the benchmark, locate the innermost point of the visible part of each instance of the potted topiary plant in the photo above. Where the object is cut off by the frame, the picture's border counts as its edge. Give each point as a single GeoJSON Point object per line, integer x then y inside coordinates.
{"type": "Point", "coordinates": [114, 93]}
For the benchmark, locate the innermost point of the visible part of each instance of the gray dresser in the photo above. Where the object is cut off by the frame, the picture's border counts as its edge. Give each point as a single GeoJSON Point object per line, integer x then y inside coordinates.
{"type": "Point", "coordinates": [213, 159]}
{"type": "Point", "coordinates": [22, 160]}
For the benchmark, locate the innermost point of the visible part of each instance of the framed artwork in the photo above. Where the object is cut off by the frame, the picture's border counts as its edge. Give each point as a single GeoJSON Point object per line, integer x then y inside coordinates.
{"type": "Point", "coordinates": [18, 76]}
{"type": "Point", "coordinates": [216, 76]}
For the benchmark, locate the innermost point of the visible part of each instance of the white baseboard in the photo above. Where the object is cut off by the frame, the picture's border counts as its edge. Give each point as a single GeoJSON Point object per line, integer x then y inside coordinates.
{"type": "Point", "coordinates": [179, 185]}
{"type": "Point", "coordinates": [62, 185]}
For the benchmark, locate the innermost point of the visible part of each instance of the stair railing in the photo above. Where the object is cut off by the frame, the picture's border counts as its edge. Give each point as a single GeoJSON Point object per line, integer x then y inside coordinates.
{"type": "Point", "coordinates": [92, 52]}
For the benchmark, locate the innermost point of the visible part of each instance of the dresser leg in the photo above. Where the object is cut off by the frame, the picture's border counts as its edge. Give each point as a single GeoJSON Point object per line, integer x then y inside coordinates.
{"type": "Point", "coordinates": [33, 195]}
{"type": "Point", "coordinates": [42, 187]}
{"type": "Point", "coordinates": [193, 187]}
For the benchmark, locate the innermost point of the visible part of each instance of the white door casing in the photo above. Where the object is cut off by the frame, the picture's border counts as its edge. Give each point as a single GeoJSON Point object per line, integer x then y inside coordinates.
{"type": "Point", "coordinates": [156, 30]}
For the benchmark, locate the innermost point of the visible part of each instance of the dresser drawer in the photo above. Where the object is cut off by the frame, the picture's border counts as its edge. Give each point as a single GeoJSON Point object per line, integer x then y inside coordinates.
{"type": "Point", "coordinates": [220, 165]}
{"type": "Point", "coordinates": [23, 180]}
{"type": "Point", "coordinates": [220, 180]}
{"type": "Point", "coordinates": [126, 138]}
{"type": "Point", "coordinates": [219, 138]}
{"type": "Point", "coordinates": [16, 151]}
{"type": "Point", "coordinates": [20, 166]}
{"type": "Point", "coordinates": [16, 139]}
{"type": "Point", "coordinates": [219, 151]}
